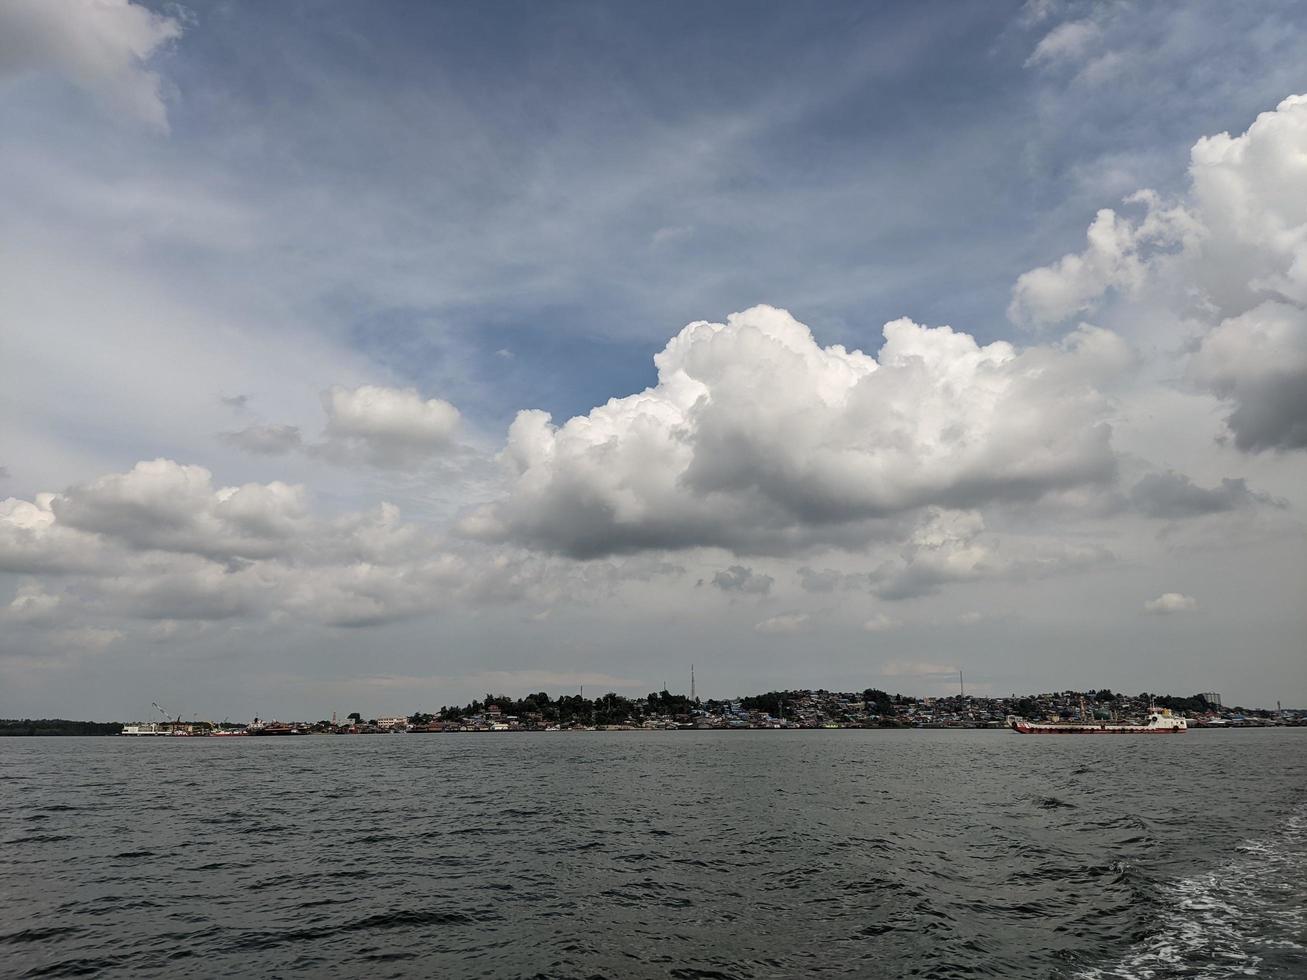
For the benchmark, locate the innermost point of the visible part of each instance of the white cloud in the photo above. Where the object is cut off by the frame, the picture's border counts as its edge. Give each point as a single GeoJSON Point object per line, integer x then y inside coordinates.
{"type": "Point", "coordinates": [1116, 257]}
{"type": "Point", "coordinates": [955, 546]}
{"type": "Point", "coordinates": [757, 439]}
{"type": "Point", "coordinates": [163, 542]}
{"type": "Point", "coordinates": [786, 624]}
{"type": "Point", "coordinates": [390, 427]}
{"type": "Point", "coordinates": [1258, 360]}
{"type": "Point", "coordinates": [1232, 255]}
{"type": "Point", "coordinates": [169, 506]}
{"type": "Point", "coordinates": [102, 46]}
{"type": "Point", "coordinates": [32, 542]}
{"type": "Point", "coordinates": [1171, 602]}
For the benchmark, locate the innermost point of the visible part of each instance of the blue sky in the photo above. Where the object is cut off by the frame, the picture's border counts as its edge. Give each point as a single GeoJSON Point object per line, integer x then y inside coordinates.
{"type": "Point", "coordinates": [512, 206]}
{"type": "Point", "coordinates": [571, 182]}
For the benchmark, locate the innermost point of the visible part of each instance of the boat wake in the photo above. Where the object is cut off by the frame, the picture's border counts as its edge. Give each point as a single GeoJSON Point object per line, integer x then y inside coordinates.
{"type": "Point", "coordinates": [1244, 918]}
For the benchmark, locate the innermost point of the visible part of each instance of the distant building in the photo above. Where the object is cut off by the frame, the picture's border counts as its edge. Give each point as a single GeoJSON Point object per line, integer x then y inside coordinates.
{"type": "Point", "coordinates": [396, 722]}
{"type": "Point", "coordinates": [1211, 700]}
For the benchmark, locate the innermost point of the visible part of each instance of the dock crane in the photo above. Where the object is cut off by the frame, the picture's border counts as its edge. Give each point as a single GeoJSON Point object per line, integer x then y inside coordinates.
{"type": "Point", "coordinates": [167, 719]}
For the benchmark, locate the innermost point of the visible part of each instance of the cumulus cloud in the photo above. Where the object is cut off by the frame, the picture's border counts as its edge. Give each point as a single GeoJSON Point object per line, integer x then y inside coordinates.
{"type": "Point", "coordinates": [165, 542]}
{"type": "Point", "coordinates": [785, 624]}
{"type": "Point", "coordinates": [1173, 495]}
{"type": "Point", "coordinates": [1117, 256]}
{"type": "Point", "coordinates": [743, 580]}
{"type": "Point", "coordinates": [1258, 361]}
{"type": "Point", "coordinates": [162, 541]}
{"type": "Point", "coordinates": [1171, 602]}
{"type": "Point", "coordinates": [264, 439]}
{"type": "Point", "coordinates": [954, 546]}
{"type": "Point", "coordinates": [33, 542]}
{"type": "Point", "coordinates": [758, 439]}
{"type": "Point", "coordinates": [101, 46]}
{"type": "Point", "coordinates": [946, 547]}
{"type": "Point", "coordinates": [390, 427]}
{"type": "Point", "coordinates": [161, 504]}
{"type": "Point", "coordinates": [1234, 253]}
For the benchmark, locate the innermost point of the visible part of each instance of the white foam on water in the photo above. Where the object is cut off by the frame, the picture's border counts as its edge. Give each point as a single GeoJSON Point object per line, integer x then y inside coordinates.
{"type": "Point", "coordinates": [1221, 924]}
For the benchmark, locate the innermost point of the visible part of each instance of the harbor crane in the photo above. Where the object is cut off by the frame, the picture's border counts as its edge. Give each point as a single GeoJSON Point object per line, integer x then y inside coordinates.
{"type": "Point", "coordinates": [167, 718]}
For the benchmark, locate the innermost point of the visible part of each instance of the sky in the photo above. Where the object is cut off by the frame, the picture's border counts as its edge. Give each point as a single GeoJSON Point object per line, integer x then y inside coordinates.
{"type": "Point", "coordinates": [378, 356]}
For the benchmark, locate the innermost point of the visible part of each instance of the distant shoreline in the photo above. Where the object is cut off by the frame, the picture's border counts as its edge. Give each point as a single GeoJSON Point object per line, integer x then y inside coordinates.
{"type": "Point", "coordinates": [788, 710]}
{"type": "Point", "coordinates": [49, 733]}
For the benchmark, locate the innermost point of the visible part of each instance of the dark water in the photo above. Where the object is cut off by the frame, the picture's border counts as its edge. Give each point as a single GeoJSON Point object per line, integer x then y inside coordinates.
{"type": "Point", "coordinates": [768, 854]}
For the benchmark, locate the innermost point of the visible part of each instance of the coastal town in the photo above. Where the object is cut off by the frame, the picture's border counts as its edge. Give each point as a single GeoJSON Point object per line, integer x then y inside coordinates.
{"type": "Point", "coordinates": [795, 709]}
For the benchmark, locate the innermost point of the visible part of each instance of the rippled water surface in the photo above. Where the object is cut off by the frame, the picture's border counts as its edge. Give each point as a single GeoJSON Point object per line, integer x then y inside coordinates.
{"type": "Point", "coordinates": [661, 854]}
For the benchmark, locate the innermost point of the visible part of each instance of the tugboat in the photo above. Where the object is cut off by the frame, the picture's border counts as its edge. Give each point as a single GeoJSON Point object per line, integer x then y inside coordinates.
{"type": "Point", "coordinates": [1160, 722]}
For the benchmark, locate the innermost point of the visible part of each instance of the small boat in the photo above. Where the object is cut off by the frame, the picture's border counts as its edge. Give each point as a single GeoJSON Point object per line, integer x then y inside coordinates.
{"type": "Point", "coordinates": [1160, 722]}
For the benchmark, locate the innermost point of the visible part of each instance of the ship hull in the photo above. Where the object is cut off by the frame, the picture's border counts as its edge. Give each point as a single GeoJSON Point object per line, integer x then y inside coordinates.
{"type": "Point", "coordinates": [1023, 728]}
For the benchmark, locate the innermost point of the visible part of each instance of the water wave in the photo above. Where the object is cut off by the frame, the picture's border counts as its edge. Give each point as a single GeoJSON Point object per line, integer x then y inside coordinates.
{"type": "Point", "coordinates": [929, 854]}
{"type": "Point", "coordinates": [1240, 919]}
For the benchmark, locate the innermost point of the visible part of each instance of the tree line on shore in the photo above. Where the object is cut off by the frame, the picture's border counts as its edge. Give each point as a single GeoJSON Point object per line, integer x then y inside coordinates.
{"type": "Point", "coordinates": [568, 709]}
{"type": "Point", "coordinates": [57, 726]}
{"type": "Point", "coordinates": [614, 709]}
